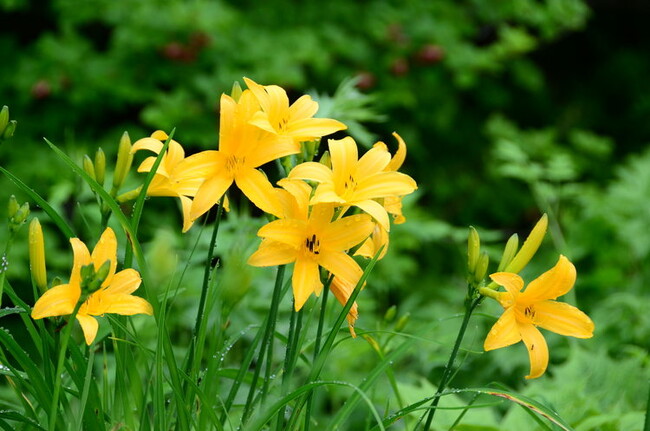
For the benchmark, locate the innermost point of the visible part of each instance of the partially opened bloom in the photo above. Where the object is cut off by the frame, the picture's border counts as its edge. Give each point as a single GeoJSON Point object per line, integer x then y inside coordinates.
{"type": "Point", "coordinates": [176, 175]}
{"type": "Point", "coordinates": [113, 295]}
{"type": "Point", "coordinates": [536, 306]}
{"type": "Point", "coordinates": [356, 182]}
{"type": "Point", "coordinates": [293, 123]}
{"type": "Point", "coordinates": [309, 238]}
{"type": "Point", "coordinates": [342, 291]}
{"type": "Point", "coordinates": [379, 239]}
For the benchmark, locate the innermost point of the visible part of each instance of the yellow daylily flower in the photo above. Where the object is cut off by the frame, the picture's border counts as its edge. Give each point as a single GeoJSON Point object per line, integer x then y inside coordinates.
{"type": "Point", "coordinates": [355, 182]}
{"type": "Point", "coordinates": [113, 296]}
{"type": "Point", "coordinates": [294, 123]}
{"type": "Point", "coordinates": [176, 175]}
{"type": "Point", "coordinates": [310, 239]}
{"type": "Point", "coordinates": [536, 306]}
{"type": "Point", "coordinates": [379, 238]}
{"type": "Point", "coordinates": [243, 147]}
{"type": "Point", "coordinates": [393, 204]}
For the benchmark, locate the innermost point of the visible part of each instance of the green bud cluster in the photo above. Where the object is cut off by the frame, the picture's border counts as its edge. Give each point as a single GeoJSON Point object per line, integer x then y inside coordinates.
{"type": "Point", "coordinates": [17, 214]}
{"type": "Point", "coordinates": [92, 279]}
{"type": "Point", "coordinates": [7, 126]}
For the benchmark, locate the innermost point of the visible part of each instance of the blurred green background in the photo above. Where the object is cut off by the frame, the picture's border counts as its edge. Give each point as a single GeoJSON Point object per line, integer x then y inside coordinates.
{"type": "Point", "coordinates": [509, 109]}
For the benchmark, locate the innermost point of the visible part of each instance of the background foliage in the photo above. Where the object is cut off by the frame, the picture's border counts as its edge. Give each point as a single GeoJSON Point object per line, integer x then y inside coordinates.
{"type": "Point", "coordinates": [509, 109]}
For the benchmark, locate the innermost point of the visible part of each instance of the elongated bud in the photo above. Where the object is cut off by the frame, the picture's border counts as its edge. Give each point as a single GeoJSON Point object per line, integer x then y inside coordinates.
{"type": "Point", "coordinates": [12, 207]}
{"type": "Point", "coordinates": [236, 91]}
{"type": "Point", "coordinates": [326, 159]}
{"type": "Point", "coordinates": [124, 160]}
{"type": "Point", "coordinates": [530, 247]}
{"type": "Point", "coordinates": [129, 196]}
{"type": "Point", "coordinates": [88, 167]}
{"type": "Point", "coordinates": [390, 314]}
{"type": "Point", "coordinates": [473, 249]}
{"type": "Point", "coordinates": [37, 255]}
{"type": "Point", "coordinates": [481, 267]}
{"type": "Point", "coordinates": [309, 149]}
{"type": "Point", "coordinates": [509, 252]}
{"type": "Point", "coordinates": [56, 281]}
{"type": "Point", "coordinates": [19, 217]}
{"type": "Point", "coordinates": [9, 129]}
{"type": "Point", "coordinates": [402, 322]}
{"type": "Point", "coordinates": [4, 118]}
{"type": "Point", "coordinates": [91, 279]}
{"type": "Point", "coordinates": [100, 166]}
{"type": "Point", "coordinates": [373, 343]}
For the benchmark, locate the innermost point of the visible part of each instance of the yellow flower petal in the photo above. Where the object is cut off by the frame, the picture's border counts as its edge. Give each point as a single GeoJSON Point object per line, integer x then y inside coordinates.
{"type": "Point", "coordinates": [272, 253]}
{"type": "Point", "coordinates": [305, 281]}
{"type": "Point", "coordinates": [127, 305]}
{"type": "Point", "coordinates": [311, 171]}
{"type": "Point", "coordinates": [106, 250]}
{"type": "Point", "coordinates": [398, 159]}
{"type": "Point", "coordinates": [553, 283]}
{"type": "Point", "coordinates": [287, 231]}
{"type": "Point", "coordinates": [512, 282]}
{"type": "Point", "coordinates": [537, 349]}
{"type": "Point", "coordinates": [378, 239]}
{"type": "Point", "coordinates": [209, 194]}
{"type": "Point", "coordinates": [342, 292]}
{"type": "Point", "coordinates": [259, 190]}
{"type": "Point", "coordinates": [89, 325]}
{"type": "Point", "coordinates": [280, 147]}
{"type": "Point", "coordinates": [344, 158]}
{"type": "Point", "coordinates": [186, 207]}
{"type": "Point", "coordinates": [81, 258]}
{"type": "Point", "coordinates": [504, 332]}
{"type": "Point", "coordinates": [377, 212]}
{"type": "Point", "coordinates": [393, 205]}
{"type": "Point", "coordinates": [311, 128]}
{"type": "Point", "coordinates": [341, 265]}
{"type": "Point", "coordinates": [149, 144]}
{"type": "Point", "coordinates": [303, 107]}
{"type": "Point", "coordinates": [160, 135]}
{"type": "Point", "coordinates": [563, 319]}
{"type": "Point", "coordinates": [124, 282]}
{"type": "Point", "coordinates": [385, 184]}
{"type": "Point", "coordinates": [347, 232]}
{"type": "Point", "coordinates": [57, 301]}
{"type": "Point", "coordinates": [204, 164]}
{"type": "Point", "coordinates": [372, 162]}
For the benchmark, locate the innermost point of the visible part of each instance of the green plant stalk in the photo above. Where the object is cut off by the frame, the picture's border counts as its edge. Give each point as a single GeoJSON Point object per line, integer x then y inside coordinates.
{"type": "Point", "coordinates": [268, 335]}
{"type": "Point", "coordinates": [196, 346]}
{"type": "Point", "coordinates": [3, 273]}
{"type": "Point", "coordinates": [86, 388]}
{"type": "Point", "coordinates": [319, 334]}
{"type": "Point", "coordinates": [290, 358]}
{"type": "Point", "coordinates": [646, 427]}
{"type": "Point", "coordinates": [59, 367]}
{"type": "Point", "coordinates": [470, 305]}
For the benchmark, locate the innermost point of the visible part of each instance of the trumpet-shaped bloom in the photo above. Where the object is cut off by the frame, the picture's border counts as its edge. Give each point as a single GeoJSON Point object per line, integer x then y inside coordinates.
{"type": "Point", "coordinates": [176, 175]}
{"type": "Point", "coordinates": [243, 147]}
{"type": "Point", "coordinates": [536, 306]}
{"type": "Point", "coordinates": [356, 182]}
{"type": "Point", "coordinates": [293, 123]}
{"type": "Point", "coordinates": [113, 296]}
{"type": "Point", "coordinates": [393, 204]}
{"type": "Point", "coordinates": [310, 239]}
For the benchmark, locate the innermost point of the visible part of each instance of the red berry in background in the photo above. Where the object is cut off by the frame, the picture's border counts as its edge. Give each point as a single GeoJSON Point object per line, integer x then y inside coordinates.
{"type": "Point", "coordinates": [176, 51]}
{"type": "Point", "coordinates": [365, 80]}
{"type": "Point", "coordinates": [199, 40]}
{"type": "Point", "coordinates": [430, 54]}
{"type": "Point", "coordinates": [41, 89]}
{"type": "Point", "coordinates": [400, 67]}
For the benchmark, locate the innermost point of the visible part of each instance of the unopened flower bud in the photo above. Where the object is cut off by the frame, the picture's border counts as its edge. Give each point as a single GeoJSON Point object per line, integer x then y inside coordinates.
{"type": "Point", "coordinates": [12, 207]}
{"type": "Point", "coordinates": [91, 279]}
{"type": "Point", "coordinates": [509, 252]}
{"type": "Point", "coordinates": [19, 217]}
{"type": "Point", "coordinates": [373, 343]}
{"type": "Point", "coordinates": [100, 166]}
{"type": "Point", "coordinates": [236, 91]}
{"type": "Point", "coordinates": [124, 160]}
{"type": "Point", "coordinates": [9, 129]}
{"type": "Point", "coordinates": [402, 321]}
{"type": "Point", "coordinates": [37, 255]}
{"type": "Point", "coordinates": [56, 281]}
{"type": "Point", "coordinates": [309, 149]}
{"type": "Point", "coordinates": [88, 167]}
{"type": "Point", "coordinates": [390, 314]}
{"type": "Point", "coordinates": [4, 118]}
{"type": "Point", "coordinates": [129, 196]}
{"type": "Point", "coordinates": [473, 249]}
{"type": "Point", "coordinates": [326, 159]}
{"type": "Point", "coordinates": [530, 246]}
{"type": "Point", "coordinates": [481, 267]}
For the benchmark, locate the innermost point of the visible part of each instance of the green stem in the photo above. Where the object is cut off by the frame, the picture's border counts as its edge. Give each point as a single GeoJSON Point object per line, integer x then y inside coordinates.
{"type": "Point", "coordinates": [290, 358]}
{"type": "Point", "coordinates": [470, 305]}
{"type": "Point", "coordinates": [319, 334]}
{"type": "Point", "coordinates": [59, 367]}
{"type": "Point", "coordinates": [86, 388]}
{"type": "Point", "coordinates": [646, 427]}
{"type": "Point", "coordinates": [4, 265]}
{"type": "Point", "coordinates": [268, 337]}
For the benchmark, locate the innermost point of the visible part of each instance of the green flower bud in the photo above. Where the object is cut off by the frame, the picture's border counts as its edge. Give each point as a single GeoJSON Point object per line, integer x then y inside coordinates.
{"type": "Point", "coordinates": [481, 267]}
{"type": "Point", "coordinates": [390, 314]}
{"type": "Point", "coordinates": [326, 159]}
{"type": "Point", "coordinates": [236, 91]}
{"type": "Point", "coordinates": [124, 161]}
{"type": "Point", "coordinates": [9, 129]}
{"type": "Point", "coordinates": [100, 166]}
{"type": "Point", "coordinates": [473, 249]}
{"type": "Point", "coordinates": [530, 247]}
{"type": "Point", "coordinates": [91, 279]}
{"type": "Point", "coordinates": [309, 149]}
{"type": "Point", "coordinates": [4, 118]}
{"type": "Point", "coordinates": [20, 216]}
{"type": "Point", "coordinates": [88, 167]}
{"type": "Point", "coordinates": [12, 207]}
{"type": "Point", "coordinates": [402, 321]}
{"type": "Point", "coordinates": [56, 281]}
{"type": "Point", "coordinates": [509, 252]}
{"type": "Point", "coordinates": [129, 196]}
{"type": "Point", "coordinates": [37, 255]}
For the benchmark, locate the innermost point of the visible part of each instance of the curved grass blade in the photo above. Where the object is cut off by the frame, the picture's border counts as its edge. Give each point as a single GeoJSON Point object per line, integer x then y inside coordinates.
{"type": "Point", "coordinates": [56, 218]}
{"type": "Point", "coordinates": [15, 416]}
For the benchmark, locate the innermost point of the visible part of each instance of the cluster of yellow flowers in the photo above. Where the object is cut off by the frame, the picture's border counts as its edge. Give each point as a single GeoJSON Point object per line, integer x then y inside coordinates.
{"type": "Point", "coordinates": [325, 213]}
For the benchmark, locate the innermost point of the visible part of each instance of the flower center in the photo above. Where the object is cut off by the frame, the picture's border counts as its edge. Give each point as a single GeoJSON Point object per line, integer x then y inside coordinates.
{"type": "Point", "coordinates": [312, 244]}
{"type": "Point", "coordinates": [233, 163]}
{"type": "Point", "coordinates": [529, 312]}
{"type": "Point", "coordinates": [282, 124]}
